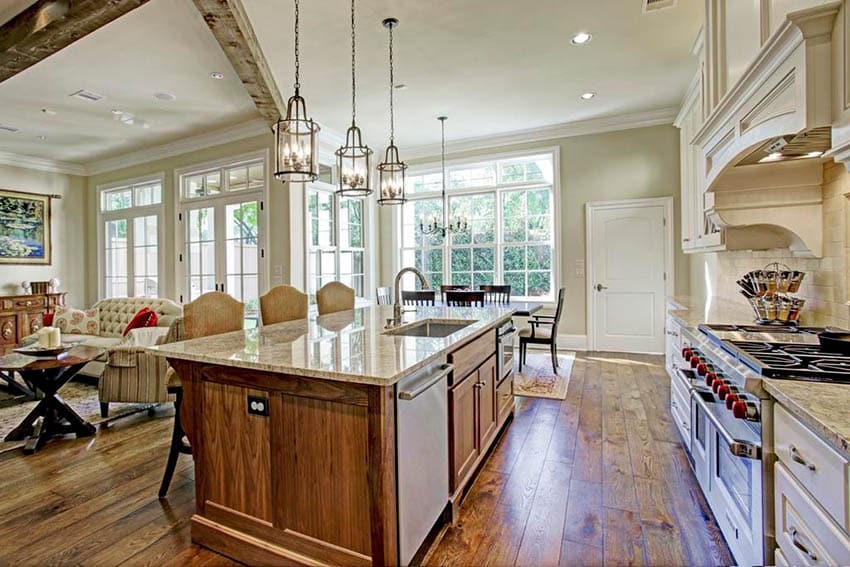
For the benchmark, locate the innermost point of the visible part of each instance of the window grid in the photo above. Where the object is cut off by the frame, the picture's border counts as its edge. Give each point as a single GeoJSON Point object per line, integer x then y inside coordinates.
{"type": "Point", "coordinates": [465, 259]}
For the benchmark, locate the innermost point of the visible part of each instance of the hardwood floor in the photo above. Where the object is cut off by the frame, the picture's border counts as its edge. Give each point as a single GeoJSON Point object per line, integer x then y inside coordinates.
{"type": "Point", "coordinates": [599, 477]}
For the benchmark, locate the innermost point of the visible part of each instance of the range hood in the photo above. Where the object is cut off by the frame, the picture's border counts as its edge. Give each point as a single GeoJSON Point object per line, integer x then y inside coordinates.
{"type": "Point", "coordinates": [763, 145]}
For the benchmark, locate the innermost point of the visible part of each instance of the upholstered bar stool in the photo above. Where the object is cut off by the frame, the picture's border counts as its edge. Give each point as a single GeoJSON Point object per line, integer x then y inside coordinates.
{"type": "Point", "coordinates": [213, 313]}
{"type": "Point", "coordinates": [283, 303]}
{"type": "Point", "coordinates": [333, 297]}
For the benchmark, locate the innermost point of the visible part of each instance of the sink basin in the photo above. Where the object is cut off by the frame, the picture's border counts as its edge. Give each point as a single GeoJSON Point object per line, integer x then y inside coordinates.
{"type": "Point", "coordinates": [431, 328]}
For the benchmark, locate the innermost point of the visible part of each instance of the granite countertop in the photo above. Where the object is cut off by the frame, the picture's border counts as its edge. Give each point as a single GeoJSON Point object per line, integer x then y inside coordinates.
{"type": "Point", "coordinates": [349, 346]}
{"type": "Point", "coordinates": [692, 311]}
{"type": "Point", "coordinates": [822, 407]}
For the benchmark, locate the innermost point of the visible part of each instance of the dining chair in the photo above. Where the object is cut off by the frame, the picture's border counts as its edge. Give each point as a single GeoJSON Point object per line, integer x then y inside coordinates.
{"type": "Point", "coordinates": [423, 297]}
{"type": "Point", "coordinates": [384, 295]}
{"type": "Point", "coordinates": [445, 288]}
{"type": "Point", "coordinates": [543, 330]}
{"type": "Point", "coordinates": [283, 303]}
{"type": "Point", "coordinates": [213, 313]}
{"type": "Point", "coordinates": [499, 294]}
{"type": "Point", "coordinates": [334, 297]}
{"type": "Point", "coordinates": [464, 298]}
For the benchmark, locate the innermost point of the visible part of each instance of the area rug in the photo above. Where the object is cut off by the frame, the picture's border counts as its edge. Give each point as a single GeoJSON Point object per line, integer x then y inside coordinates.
{"type": "Point", "coordinates": [537, 379]}
{"type": "Point", "coordinates": [79, 395]}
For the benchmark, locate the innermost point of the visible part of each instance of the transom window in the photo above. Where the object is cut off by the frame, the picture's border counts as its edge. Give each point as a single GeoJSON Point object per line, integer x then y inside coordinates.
{"type": "Point", "coordinates": [129, 235]}
{"type": "Point", "coordinates": [336, 240]}
{"type": "Point", "coordinates": [509, 205]}
{"type": "Point", "coordinates": [229, 179]}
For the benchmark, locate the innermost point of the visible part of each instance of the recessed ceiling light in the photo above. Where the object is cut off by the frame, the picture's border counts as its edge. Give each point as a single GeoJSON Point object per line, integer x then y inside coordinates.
{"type": "Point", "coordinates": [400, 86]}
{"type": "Point", "coordinates": [581, 38]}
{"type": "Point", "coordinates": [165, 97]}
{"type": "Point", "coordinates": [775, 155]}
{"type": "Point", "coordinates": [814, 154]}
{"type": "Point", "coordinates": [216, 75]}
{"type": "Point", "coordinates": [117, 112]}
{"type": "Point", "coordinates": [588, 95]}
{"type": "Point", "coordinates": [48, 112]}
{"type": "Point", "coordinates": [42, 137]}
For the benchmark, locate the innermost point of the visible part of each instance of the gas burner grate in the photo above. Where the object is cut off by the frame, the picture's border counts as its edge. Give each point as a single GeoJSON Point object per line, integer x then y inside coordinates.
{"type": "Point", "coordinates": [831, 365]}
{"type": "Point", "coordinates": [752, 347]}
{"type": "Point", "coordinates": [806, 350]}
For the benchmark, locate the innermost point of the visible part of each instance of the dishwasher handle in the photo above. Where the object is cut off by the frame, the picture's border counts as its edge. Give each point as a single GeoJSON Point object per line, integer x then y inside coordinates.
{"type": "Point", "coordinates": [421, 386]}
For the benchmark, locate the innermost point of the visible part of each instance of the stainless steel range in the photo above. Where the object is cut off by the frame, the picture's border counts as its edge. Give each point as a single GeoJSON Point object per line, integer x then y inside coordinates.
{"type": "Point", "coordinates": [729, 431]}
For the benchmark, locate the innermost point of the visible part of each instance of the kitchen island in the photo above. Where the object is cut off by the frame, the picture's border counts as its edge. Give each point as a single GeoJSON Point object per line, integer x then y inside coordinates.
{"type": "Point", "coordinates": [333, 440]}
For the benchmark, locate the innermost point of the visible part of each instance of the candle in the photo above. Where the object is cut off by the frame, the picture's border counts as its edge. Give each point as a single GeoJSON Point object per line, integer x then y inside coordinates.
{"type": "Point", "coordinates": [55, 337]}
{"type": "Point", "coordinates": [44, 337]}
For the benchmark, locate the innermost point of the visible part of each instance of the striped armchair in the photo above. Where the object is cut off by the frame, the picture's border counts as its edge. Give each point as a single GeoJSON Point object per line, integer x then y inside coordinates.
{"type": "Point", "coordinates": [133, 374]}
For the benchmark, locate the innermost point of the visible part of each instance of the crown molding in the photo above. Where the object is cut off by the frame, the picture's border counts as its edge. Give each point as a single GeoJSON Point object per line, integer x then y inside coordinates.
{"type": "Point", "coordinates": [248, 129]}
{"type": "Point", "coordinates": [41, 164]}
{"type": "Point", "coordinates": [629, 121]}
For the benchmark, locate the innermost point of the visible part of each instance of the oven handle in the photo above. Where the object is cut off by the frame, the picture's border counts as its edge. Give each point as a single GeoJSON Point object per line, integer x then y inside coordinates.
{"type": "Point", "coordinates": [737, 447]}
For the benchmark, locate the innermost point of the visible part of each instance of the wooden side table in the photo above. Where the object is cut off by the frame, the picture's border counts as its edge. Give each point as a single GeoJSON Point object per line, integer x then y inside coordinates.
{"type": "Point", "coordinates": [21, 315]}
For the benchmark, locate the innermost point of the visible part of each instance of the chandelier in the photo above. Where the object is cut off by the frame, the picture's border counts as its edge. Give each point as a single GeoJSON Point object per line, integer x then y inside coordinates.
{"type": "Point", "coordinates": [295, 137]}
{"type": "Point", "coordinates": [354, 159]}
{"type": "Point", "coordinates": [433, 226]}
{"type": "Point", "coordinates": [391, 170]}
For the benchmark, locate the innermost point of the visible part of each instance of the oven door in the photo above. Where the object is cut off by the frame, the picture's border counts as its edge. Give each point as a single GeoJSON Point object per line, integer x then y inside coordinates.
{"type": "Point", "coordinates": [505, 343]}
{"type": "Point", "coordinates": [727, 462]}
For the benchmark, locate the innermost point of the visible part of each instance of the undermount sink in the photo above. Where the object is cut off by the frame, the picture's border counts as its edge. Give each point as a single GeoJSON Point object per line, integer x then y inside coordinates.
{"type": "Point", "coordinates": [430, 328]}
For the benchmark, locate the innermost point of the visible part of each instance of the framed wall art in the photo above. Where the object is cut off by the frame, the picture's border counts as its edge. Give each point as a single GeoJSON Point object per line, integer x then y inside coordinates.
{"type": "Point", "coordinates": [24, 228]}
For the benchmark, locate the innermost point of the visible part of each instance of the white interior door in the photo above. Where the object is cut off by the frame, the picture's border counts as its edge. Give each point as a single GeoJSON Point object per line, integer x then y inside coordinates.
{"type": "Point", "coordinates": [629, 254]}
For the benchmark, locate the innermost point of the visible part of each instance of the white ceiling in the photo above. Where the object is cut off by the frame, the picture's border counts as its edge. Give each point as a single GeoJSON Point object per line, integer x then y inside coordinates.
{"type": "Point", "coordinates": [163, 46]}
{"type": "Point", "coordinates": [11, 8]}
{"type": "Point", "coordinates": [493, 66]}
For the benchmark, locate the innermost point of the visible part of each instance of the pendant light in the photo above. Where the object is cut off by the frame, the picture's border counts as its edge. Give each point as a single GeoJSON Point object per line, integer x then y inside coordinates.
{"type": "Point", "coordinates": [434, 226]}
{"type": "Point", "coordinates": [296, 136]}
{"type": "Point", "coordinates": [354, 159]}
{"type": "Point", "coordinates": [391, 170]}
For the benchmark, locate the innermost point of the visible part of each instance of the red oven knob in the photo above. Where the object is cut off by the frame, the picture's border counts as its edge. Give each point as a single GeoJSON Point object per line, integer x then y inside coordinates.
{"type": "Point", "coordinates": [715, 386]}
{"type": "Point", "coordinates": [710, 378]}
{"type": "Point", "coordinates": [731, 399]}
{"type": "Point", "coordinates": [739, 409]}
{"type": "Point", "coordinates": [723, 391]}
{"type": "Point", "coordinates": [695, 361]}
{"type": "Point", "coordinates": [687, 354]}
{"type": "Point", "coordinates": [702, 369]}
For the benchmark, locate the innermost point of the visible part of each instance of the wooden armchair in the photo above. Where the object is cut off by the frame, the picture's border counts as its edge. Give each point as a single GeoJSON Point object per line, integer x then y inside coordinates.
{"type": "Point", "coordinates": [446, 288]}
{"type": "Point", "coordinates": [283, 303]}
{"type": "Point", "coordinates": [423, 297]}
{"type": "Point", "coordinates": [543, 331]}
{"type": "Point", "coordinates": [498, 294]}
{"type": "Point", "coordinates": [464, 298]}
{"type": "Point", "coordinates": [384, 295]}
{"type": "Point", "coordinates": [333, 297]}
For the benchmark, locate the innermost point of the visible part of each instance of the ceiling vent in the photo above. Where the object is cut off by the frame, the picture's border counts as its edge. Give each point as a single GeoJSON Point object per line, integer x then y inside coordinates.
{"type": "Point", "coordinates": [88, 96]}
{"type": "Point", "coordinates": [650, 6]}
{"type": "Point", "coordinates": [12, 129]}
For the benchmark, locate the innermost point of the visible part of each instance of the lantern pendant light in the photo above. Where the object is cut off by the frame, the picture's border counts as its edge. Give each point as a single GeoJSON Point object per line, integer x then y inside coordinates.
{"type": "Point", "coordinates": [296, 142]}
{"type": "Point", "coordinates": [354, 159]}
{"type": "Point", "coordinates": [433, 226]}
{"type": "Point", "coordinates": [391, 170]}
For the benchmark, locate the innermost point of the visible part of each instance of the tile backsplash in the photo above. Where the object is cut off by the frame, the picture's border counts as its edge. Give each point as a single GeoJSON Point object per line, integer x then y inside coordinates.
{"type": "Point", "coordinates": [825, 288]}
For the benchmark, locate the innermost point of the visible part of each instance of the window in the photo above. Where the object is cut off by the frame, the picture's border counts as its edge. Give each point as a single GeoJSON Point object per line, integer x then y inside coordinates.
{"type": "Point", "coordinates": [336, 240]}
{"type": "Point", "coordinates": [130, 216]}
{"type": "Point", "coordinates": [229, 179]}
{"type": "Point", "coordinates": [509, 205]}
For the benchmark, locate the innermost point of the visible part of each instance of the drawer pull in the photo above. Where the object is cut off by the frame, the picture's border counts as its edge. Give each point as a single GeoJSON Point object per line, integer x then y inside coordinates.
{"type": "Point", "coordinates": [795, 540]}
{"type": "Point", "coordinates": [797, 458]}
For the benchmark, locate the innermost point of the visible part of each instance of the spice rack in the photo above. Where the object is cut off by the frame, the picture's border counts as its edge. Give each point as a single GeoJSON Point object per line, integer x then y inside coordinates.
{"type": "Point", "coordinates": [771, 293]}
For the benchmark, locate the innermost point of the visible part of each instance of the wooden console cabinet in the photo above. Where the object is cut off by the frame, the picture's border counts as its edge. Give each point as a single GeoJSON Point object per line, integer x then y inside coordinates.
{"type": "Point", "coordinates": [21, 315]}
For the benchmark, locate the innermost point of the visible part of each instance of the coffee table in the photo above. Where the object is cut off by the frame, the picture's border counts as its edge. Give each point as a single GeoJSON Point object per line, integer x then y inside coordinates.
{"type": "Point", "coordinates": [52, 416]}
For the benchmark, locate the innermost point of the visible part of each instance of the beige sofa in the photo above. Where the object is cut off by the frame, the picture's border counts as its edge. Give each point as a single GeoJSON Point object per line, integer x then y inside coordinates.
{"type": "Point", "coordinates": [127, 372]}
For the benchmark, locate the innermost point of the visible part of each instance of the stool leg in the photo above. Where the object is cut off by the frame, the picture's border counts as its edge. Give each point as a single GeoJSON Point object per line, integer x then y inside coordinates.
{"type": "Point", "coordinates": [104, 409]}
{"type": "Point", "coordinates": [174, 451]}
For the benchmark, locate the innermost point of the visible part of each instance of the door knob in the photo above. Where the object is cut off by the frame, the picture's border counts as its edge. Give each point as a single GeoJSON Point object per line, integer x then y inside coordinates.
{"type": "Point", "coordinates": [600, 287]}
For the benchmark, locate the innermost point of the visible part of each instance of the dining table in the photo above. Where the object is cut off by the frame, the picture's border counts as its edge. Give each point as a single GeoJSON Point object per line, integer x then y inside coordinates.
{"type": "Point", "coordinates": [521, 308]}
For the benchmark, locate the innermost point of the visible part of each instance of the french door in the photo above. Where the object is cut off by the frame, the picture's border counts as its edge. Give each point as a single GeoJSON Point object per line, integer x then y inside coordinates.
{"type": "Point", "coordinates": [222, 249]}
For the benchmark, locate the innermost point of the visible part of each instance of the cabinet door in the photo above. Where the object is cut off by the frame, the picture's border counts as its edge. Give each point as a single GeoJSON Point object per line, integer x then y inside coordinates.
{"type": "Point", "coordinates": [488, 408]}
{"type": "Point", "coordinates": [463, 399]}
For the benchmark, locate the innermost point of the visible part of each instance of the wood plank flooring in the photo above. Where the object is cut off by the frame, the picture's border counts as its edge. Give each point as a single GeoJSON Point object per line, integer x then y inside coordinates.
{"type": "Point", "coordinates": [598, 478]}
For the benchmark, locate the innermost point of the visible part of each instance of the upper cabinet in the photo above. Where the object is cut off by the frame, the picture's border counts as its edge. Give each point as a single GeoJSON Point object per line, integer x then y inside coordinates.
{"type": "Point", "coordinates": [752, 164]}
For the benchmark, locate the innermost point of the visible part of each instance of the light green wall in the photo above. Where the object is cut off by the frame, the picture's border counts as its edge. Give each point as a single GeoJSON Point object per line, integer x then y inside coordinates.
{"type": "Point", "coordinates": [277, 206]}
{"type": "Point", "coordinates": [69, 237]}
{"type": "Point", "coordinates": [627, 164]}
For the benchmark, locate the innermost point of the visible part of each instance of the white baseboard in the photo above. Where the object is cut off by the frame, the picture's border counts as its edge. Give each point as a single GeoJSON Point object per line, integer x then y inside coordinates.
{"type": "Point", "coordinates": [567, 342]}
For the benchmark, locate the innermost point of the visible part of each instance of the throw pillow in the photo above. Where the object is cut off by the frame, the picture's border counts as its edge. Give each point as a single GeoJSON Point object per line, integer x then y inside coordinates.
{"type": "Point", "coordinates": [47, 320]}
{"type": "Point", "coordinates": [77, 321]}
{"type": "Point", "coordinates": [143, 318]}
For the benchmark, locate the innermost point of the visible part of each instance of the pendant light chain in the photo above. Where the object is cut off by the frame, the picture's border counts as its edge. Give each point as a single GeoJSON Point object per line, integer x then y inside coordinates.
{"type": "Point", "coordinates": [353, 68]}
{"type": "Point", "coordinates": [392, 86]}
{"type": "Point", "coordinates": [297, 54]}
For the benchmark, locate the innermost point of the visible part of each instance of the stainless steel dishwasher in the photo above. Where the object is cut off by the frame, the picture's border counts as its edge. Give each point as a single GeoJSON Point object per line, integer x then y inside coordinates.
{"type": "Point", "coordinates": [422, 455]}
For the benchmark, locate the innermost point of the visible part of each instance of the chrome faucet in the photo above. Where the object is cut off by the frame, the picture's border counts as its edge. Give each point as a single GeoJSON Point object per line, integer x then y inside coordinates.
{"type": "Point", "coordinates": [397, 298]}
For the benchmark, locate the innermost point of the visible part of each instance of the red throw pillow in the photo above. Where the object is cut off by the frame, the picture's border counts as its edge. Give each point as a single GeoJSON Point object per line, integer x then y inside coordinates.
{"type": "Point", "coordinates": [47, 319]}
{"type": "Point", "coordinates": [144, 318]}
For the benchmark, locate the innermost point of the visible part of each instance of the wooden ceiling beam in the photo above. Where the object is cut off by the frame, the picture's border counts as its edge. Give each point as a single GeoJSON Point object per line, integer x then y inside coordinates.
{"type": "Point", "coordinates": [230, 25]}
{"type": "Point", "coordinates": [49, 26]}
